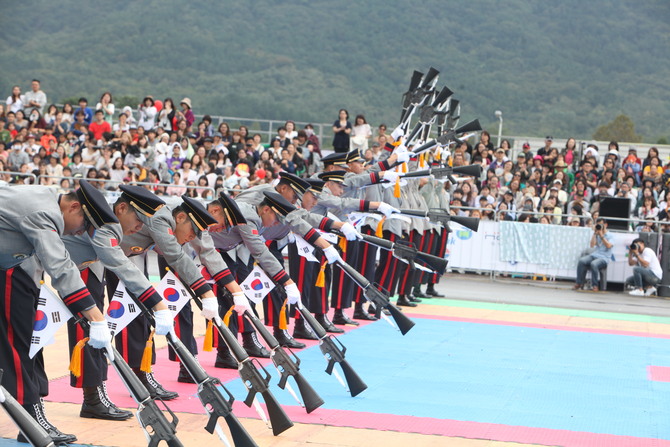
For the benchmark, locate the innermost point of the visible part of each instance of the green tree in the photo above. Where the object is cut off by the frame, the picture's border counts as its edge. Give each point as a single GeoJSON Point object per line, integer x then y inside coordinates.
{"type": "Point", "coordinates": [622, 128]}
{"type": "Point", "coordinates": [662, 140]}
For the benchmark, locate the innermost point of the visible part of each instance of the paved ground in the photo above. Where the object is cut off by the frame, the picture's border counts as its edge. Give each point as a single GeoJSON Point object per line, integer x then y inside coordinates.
{"type": "Point", "coordinates": [469, 299]}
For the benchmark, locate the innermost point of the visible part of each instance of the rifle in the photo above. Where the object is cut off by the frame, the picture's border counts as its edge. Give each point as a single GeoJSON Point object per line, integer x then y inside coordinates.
{"type": "Point", "coordinates": [286, 366]}
{"type": "Point", "coordinates": [439, 215]}
{"type": "Point", "coordinates": [418, 92]}
{"type": "Point", "coordinates": [152, 420]}
{"type": "Point", "coordinates": [251, 377]}
{"type": "Point", "coordinates": [429, 112]}
{"type": "Point", "coordinates": [408, 251]}
{"type": "Point", "coordinates": [209, 391]}
{"type": "Point", "coordinates": [378, 298]}
{"type": "Point", "coordinates": [334, 354]}
{"type": "Point", "coordinates": [446, 171]}
{"type": "Point", "coordinates": [33, 432]}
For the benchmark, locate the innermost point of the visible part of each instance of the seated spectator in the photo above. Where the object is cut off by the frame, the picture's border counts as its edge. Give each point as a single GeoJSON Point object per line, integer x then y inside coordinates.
{"type": "Point", "coordinates": [597, 259]}
{"type": "Point", "coordinates": [647, 271]}
{"type": "Point", "coordinates": [653, 171]}
{"type": "Point", "coordinates": [632, 164]}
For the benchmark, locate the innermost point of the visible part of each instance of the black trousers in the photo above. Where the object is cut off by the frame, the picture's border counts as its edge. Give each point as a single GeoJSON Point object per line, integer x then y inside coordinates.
{"type": "Point", "coordinates": [343, 287]}
{"type": "Point", "coordinates": [24, 378]}
{"type": "Point", "coordinates": [305, 273]}
{"type": "Point", "coordinates": [131, 341]}
{"type": "Point", "coordinates": [386, 274]}
{"type": "Point", "coordinates": [405, 272]}
{"type": "Point", "coordinates": [94, 362]}
{"type": "Point", "coordinates": [366, 262]}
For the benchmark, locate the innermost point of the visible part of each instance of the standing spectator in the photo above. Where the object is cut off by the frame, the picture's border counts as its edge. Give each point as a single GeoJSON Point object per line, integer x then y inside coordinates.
{"type": "Point", "coordinates": [166, 117]}
{"type": "Point", "coordinates": [106, 104]}
{"type": "Point", "coordinates": [647, 271]}
{"type": "Point", "coordinates": [600, 257]}
{"type": "Point", "coordinates": [312, 138]}
{"type": "Point", "coordinates": [548, 141]}
{"type": "Point", "coordinates": [342, 131]}
{"type": "Point", "coordinates": [34, 99]}
{"type": "Point", "coordinates": [99, 126]}
{"type": "Point", "coordinates": [381, 132]}
{"type": "Point", "coordinates": [360, 133]}
{"type": "Point", "coordinates": [291, 133]}
{"type": "Point", "coordinates": [148, 112]}
{"type": "Point", "coordinates": [187, 112]}
{"type": "Point", "coordinates": [83, 107]}
{"type": "Point", "coordinates": [16, 100]}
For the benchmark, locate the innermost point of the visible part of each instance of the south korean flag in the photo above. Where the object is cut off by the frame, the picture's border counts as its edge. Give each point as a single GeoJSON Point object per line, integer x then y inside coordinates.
{"type": "Point", "coordinates": [173, 291]}
{"type": "Point", "coordinates": [122, 310]}
{"type": "Point", "coordinates": [51, 314]}
{"type": "Point", "coordinates": [257, 285]}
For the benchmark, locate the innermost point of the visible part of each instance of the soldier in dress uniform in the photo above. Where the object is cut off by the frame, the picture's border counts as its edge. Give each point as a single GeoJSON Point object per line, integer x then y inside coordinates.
{"type": "Point", "coordinates": [331, 200]}
{"type": "Point", "coordinates": [291, 188]}
{"type": "Point", "coordinates": [245, 224]}
{"type": "Point", "coordinates": [165, 230]}
{"type": "Point", "coordinates": [33, 220]}
{"type": "Point", "coordinates": [100, 242]}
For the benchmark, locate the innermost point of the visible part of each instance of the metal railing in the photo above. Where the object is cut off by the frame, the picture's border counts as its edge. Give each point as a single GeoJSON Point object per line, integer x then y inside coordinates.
{"type": "Point", "coordinates": [18, 174]}
{"type": "Point", "coordinates": [116, 183]}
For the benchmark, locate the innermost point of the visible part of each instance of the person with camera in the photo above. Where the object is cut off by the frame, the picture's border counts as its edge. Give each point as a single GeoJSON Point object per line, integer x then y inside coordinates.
{"type": "Point", "coordinates": [647, 271]}
{"type": "Point", "coordinates": [598, 258]}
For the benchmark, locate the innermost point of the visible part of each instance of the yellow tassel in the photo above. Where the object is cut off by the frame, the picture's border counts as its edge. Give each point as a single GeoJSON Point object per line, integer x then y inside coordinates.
{"type": "Point", "coordinates": [226, 317]}
{"type": "Point", "coordinates": [397, 143]}
{"type": "Point", "coordinates": [438, 154]}
{"type": "Point", "coordinates": [321, 277]}
{"type": "Point", "coordinates": [145, 365]}
{"type": "Point", "coordinates": [396, 189]}
{"type": "Point", "coordinates": [283, 323]}
{"type": "Point", "coordinates": [343, 244]}
{"type": "Point", "coordinates": [404, 168]}
{"type": "Point", "coordinates": [208, 345]}
{"type": "Point", "coordinates": [422, 161]}
{"type": "Point", "coordinates": [380, 228]}
{"type": "Point", "coordinates": [77, 355]}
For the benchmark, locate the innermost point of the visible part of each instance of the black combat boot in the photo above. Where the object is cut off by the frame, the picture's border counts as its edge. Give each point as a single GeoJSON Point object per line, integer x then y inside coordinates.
{"type": "Point", "coordinates": [418, 293]}
{"type": "Point", "coordinates": [154, 387]}
{"type": "Point", "coordinates": [36, 411]}
{"type": "Point", "coordinates": [432, 292]}
{"type": "Point", "coordinates": [285, 339]}
{"type": "Point", "coordinates": [224, 359]}
{"type": "Point", "coordinates": [184, 376]}
{"type": "Point", "coordinates": [98, 405]}
{"type": "Point", "coordinates": [302, 331]}
{"type": "Point", "coordinates": [253, 347]}
{"type": "Point", "coordinates": [404, 301]}
{"type": "Point", "coordinates": [339, 317]}
{"type": "Point", "coordinates": [361, 314]}
{"type": "Point", "coordinates": [323, 320]}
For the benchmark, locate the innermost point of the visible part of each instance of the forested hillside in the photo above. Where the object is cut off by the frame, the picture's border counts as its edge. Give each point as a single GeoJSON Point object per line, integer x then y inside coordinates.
{"type": "Point", "coordinates": [563, 67]}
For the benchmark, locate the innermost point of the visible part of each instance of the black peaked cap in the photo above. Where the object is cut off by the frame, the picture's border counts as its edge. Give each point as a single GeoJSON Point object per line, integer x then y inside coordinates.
{"type": "Point", "coordinates": [96, 209]}
{"type": "Point", "coordinates": [143, 200]}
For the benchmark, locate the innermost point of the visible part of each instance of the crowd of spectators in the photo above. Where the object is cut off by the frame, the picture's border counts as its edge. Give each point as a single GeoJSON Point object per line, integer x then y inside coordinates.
{"type": "Point", "coordinates": [561, 185]}
{"type": "Point", "coordinates": [161, 143]}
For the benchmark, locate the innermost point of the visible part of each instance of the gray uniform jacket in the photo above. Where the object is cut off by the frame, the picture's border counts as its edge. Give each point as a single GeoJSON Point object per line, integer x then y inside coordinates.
{"type": "Point", "coordinates": [104, 246]}
{"type": "Point", "coordinates": [251, 237]}
{"type": "Point", "coordinates": [158, 234]}
{"type": "Point", "coordinates": [31, 223]}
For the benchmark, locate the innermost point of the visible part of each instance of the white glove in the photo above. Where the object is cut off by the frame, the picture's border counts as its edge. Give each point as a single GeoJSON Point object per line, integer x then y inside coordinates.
{"type": "Point", "coordinates": [2, 397]}
{"type": "Point", "coordinates": [397, 133]}
{"type": "Point", "coordinates": [403, 157]}
{"type": "Point", "coordinates": [163, 321]}
{"type": "Point", "coordinates": [210, 308]}
{"type": "Point", "coordinates": [350, 232]}
{"type": "Point", "coordinates": [387, 209]}
{"type": "Point", "coordinates": [292, 293]}
{"type": "Point", "coordinates": [391, 176]}
{"type": "Point", "coordinates": [331, 254]}
{"type": "Point", "coordinates": [240, 302]}
{"type": "Point", "coordinates": [100, 337]}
